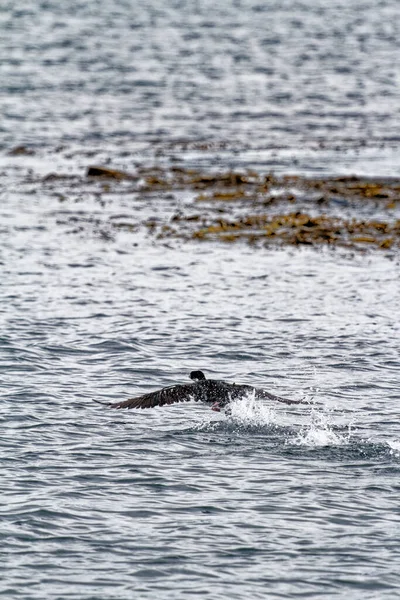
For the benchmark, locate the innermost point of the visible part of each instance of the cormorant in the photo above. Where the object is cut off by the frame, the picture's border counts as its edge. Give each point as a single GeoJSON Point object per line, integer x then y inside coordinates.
{"type": "Point", "coordinates": [209, 391]}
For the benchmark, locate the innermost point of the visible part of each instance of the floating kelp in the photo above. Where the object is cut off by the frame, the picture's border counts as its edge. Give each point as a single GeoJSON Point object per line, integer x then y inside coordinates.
{"type": "Point", "coordinates": [229, 193]}
{"type": "Point", "coordinates": [300, 228]}
{"type": "Point", "coordinates": [21, 151]}
{"type": "Point", "coordinates": [171, 202]}
{"type": "Point", "coordinates": [106, 173]}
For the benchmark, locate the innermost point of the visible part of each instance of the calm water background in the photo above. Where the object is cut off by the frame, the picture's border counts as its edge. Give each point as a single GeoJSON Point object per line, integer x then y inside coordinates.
{"type": "Point", "coordinates": [270, 501]}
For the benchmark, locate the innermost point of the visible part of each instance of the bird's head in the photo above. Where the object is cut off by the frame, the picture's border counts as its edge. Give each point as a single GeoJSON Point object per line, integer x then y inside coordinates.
{"type": "Point", "coordinates": [197, 376]}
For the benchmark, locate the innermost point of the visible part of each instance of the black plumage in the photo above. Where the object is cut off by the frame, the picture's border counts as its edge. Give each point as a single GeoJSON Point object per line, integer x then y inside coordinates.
{"type": "Point", "coordinates": [209, 391]}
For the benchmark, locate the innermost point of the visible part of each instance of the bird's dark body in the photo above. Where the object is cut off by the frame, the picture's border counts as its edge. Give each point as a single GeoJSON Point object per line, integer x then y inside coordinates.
{"type": "Point", "coordinates": [208, 391]}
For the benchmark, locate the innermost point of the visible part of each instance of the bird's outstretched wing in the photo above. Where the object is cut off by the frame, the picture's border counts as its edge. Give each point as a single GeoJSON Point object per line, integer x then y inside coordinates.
{"type": "Point", "coordinates": [263, 394]}
{"type": "Point", "coordinates": [168, 395]}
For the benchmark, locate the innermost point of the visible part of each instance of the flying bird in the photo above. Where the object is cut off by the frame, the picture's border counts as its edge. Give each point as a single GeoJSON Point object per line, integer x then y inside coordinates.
{"type": "Point", "coordinates": [214, 392]}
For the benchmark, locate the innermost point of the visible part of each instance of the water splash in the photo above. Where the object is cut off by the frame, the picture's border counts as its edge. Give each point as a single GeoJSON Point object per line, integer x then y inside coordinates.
{"type": "Point", "coordinates": [243, 413]}
{"type": "Point", "coordinates": [321, 432]}
{"type": "Point", "coordinates": [394, 446]}
{"type": "Point", "coordinates": [248, 411]}
{"type": "Point", "coordinates": [254, 422]}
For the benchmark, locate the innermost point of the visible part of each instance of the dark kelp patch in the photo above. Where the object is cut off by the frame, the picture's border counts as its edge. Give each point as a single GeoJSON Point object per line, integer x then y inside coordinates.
{"type": "Point", "coordinates": [106, 173]}
{"type": "Point", "coordinates": [302, 229]}
{"type": "Point", "coordinates": [21, 151]}
{"type": "Point", "coordinates": [232, 206]}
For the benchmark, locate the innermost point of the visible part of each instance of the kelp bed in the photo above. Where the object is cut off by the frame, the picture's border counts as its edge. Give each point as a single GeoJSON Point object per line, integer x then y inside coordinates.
{"type": "Point", "coordinates": [230, 207]}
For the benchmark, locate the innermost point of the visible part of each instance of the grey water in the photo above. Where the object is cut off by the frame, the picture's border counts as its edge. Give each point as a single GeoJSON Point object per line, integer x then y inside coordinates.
{"type": "Point", "coordinates": [269, 501]}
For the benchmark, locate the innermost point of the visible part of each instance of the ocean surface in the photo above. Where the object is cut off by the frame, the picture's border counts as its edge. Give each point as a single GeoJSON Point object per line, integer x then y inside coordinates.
{"type": "Point", "coordinates": [269, 501]}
